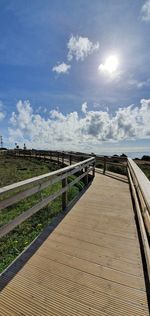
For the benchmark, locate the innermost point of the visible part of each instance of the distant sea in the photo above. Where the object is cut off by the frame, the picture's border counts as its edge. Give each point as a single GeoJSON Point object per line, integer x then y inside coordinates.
{"type": "Point", "coordinates": [129, 154]}
{"type": "Point", "coordinates": [138, 154]}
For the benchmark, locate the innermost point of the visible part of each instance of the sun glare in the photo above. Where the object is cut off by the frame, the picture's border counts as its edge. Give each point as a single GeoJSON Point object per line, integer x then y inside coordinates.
{"type": "Point", "coordinates": [110, 65]}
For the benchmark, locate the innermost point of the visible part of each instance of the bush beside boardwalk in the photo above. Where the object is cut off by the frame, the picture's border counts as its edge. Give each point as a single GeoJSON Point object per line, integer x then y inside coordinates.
{"type": "Point", "coordinates": [143, 163]}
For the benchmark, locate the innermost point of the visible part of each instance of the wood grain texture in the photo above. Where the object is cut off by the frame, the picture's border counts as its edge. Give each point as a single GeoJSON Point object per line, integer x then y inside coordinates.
{"type": "Point", "coordinates": [142, 181]}
{"type": "Point", "coordinates": [90, 265]}
{"type": "Point", "coordinates": [142, 227]}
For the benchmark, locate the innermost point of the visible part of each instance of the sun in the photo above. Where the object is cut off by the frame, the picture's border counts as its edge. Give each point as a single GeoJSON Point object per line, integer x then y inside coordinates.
{"type": "Point", "coordinates": [111, 64]}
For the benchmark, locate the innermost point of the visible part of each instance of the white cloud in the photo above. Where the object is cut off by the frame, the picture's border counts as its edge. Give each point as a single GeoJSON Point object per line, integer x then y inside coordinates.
{"type": "Point", "coordinates": [80, 47]}
{"type": "Point", "coordinates": [24, 117]}
{"type": "Point", "coordinates": [73, 132]}
{"type": "Point", "coordinates": [45, 110]}
{"type": "Point", "coordinates": [1, 104]}
{"type": "Point", "coordinates": [2, 116]}
{"type": "Point", "coordinates": [61, 68]}
{"type": "Point", "coordinates": [2, 113]}
{"type": "Point", "coordinates": [139, 84]}
{"type": "Point", "coordinates": [142, 84]}
{"type": "Point", "coordinates": [146, 11]}
{"type": "Point", "coordinates": [84, 107]}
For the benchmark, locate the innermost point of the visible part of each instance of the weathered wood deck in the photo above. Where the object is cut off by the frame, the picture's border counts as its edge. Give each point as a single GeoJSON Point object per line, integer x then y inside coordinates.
{"type": "Point", "coordinates": [90, 265]}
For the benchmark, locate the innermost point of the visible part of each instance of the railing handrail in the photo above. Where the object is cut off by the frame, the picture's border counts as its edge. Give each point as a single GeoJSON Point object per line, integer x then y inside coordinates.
{"type": "Point", "coordinates": [49, 152]}
{"type": "Point", "coordinates": [140, 188]}
{"type": "Point", "coordinates": [142, 180]}
{"type": "Point", "coordinates": [84, 167]}
{"type": "Point", "coordinates": [37, 179]}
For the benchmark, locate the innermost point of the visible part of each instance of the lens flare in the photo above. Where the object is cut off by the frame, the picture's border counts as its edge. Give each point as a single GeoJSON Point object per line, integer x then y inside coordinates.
{"type": "Point", "coordinates": [111, 64]}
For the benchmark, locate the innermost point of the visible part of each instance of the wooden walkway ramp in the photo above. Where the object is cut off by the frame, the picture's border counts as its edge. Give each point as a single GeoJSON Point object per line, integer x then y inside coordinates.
{"type": "Point", "coordinates": [90, 265]}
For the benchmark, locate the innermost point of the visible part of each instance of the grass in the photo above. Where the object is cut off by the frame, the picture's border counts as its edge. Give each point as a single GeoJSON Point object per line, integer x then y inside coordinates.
{"type": "Point", "coordinates": [145, 168]}
{"type": "Point", "coordinates": [112, 168]}
{"type": "Point", "coordinates": [17, 169]}
{"type": "Point", "coordinates": [100, 165]}
{"type": "Point", "coordinates": [117, 169]}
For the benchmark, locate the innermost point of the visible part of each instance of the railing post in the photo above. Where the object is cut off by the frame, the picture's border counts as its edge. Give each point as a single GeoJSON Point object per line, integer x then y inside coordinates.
{"type": "Point", "coordinates": [64, 195]}
{"type": "Point", "coordinates": [86, 178]}
{"type": "Point", "coordinates": [93, 171]}
{"type": "Point", "coordinates": [104, 170]}
{"type": "Point", "coordinates": [62, 158]}
{"type": "Point", "coordinates": [70, 159]}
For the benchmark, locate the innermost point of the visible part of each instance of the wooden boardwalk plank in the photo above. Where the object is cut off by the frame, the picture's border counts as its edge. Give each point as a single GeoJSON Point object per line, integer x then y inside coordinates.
{"type": "Point", "coordinates": [90, 265]}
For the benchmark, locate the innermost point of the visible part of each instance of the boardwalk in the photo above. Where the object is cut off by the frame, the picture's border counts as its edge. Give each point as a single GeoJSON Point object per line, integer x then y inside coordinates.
{"type": "Point", "coordinates": [90, 264]}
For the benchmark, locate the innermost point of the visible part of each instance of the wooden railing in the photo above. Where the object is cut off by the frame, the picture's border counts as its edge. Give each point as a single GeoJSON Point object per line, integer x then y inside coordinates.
{"type": "Point", "coordinates": [68, 158]}
{"type": "Point", "coordinates": [140, 187]}
{"type": "Point", "coordinates": [61, 157]}
{"type": "Point", "coordinates": [82, 169]}
{"type": "Point", "coordinates": [115, 162]}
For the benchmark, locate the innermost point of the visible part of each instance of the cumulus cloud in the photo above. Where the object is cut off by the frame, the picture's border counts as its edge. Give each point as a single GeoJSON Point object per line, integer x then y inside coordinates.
{"type": "Point", "coordinates": [61, 68]}
{"type": "Point", "coordinates": [73, 132]}
{"type": "Point", "coordinates": [23, 118]}
{"type": "Point", "coordinates": [146, 11]}
{"type": "Point", "coordinates": [84, 107]}
{"type": "Point", "coordinates": [80, 47]}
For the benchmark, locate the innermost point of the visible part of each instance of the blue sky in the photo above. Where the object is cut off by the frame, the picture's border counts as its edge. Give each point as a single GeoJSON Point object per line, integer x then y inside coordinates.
{"type": "Point", "coordinates": [52, 94]}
